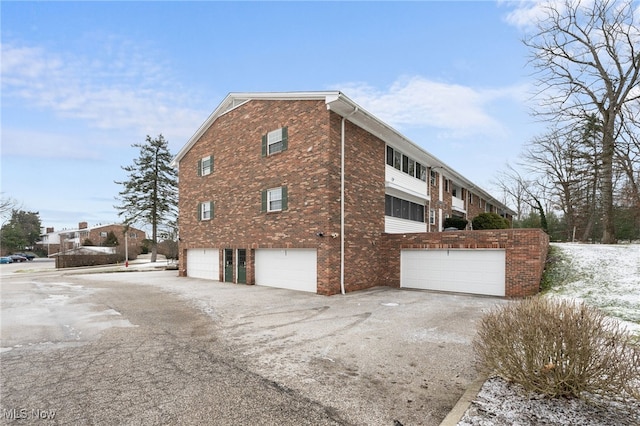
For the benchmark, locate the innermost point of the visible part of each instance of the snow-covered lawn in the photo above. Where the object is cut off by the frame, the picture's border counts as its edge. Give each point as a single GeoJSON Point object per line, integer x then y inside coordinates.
{"type": "Point", "coordinates": [605, 276]}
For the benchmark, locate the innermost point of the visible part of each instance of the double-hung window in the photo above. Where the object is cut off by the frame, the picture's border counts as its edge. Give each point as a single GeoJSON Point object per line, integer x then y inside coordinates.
{"type": "Point", "coordinates": [275, 141]}
{"type": "Point", "coordinates": [205, 210]}
{"type": "Point", "coordinates": [205, 166]}
{"type": "Point", "coordinates": [274, 199]}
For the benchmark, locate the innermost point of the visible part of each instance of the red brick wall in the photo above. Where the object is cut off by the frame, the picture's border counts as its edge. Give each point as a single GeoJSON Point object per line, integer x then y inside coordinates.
{"type": "Point", "coordinates": [364, 212]}
{"type": "Point", "coordinates": [308, 168]}
{"type": "Point", "coordinates": [525, 250]}
{"type": "Point", "coordinates": [135, 244]}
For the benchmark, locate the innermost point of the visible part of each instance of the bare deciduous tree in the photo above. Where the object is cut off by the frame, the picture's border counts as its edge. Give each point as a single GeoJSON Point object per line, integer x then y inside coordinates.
{"type": "Point", "coordinates": [587, 57]}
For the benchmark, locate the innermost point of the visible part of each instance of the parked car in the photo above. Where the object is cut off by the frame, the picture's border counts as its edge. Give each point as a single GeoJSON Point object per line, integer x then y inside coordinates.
{"type": "Point", "coordinates": [6, 259]}
{"type": "Point", "coordinates": [28, 256]}
{"type": "Point", "coordinates": [18, 258]}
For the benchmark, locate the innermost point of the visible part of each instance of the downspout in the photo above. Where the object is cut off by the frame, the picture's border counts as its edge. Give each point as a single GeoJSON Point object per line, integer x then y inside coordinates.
{"type": "Point", "coordinates": [342, 174]}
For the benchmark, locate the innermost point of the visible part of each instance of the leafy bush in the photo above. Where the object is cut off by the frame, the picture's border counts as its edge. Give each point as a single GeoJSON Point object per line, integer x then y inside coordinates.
{"type": "Point", "coordinates": [455, 222]}
{"type": "Point", "coordinates": [489, 221]}
{"type": "Point", "coordinates": [560, 349]}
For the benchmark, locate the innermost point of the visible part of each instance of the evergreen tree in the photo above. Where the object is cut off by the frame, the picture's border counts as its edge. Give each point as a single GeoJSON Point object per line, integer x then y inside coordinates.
{"type": "Point", "coordinates": [22, 231]}
{"type": "Point", "coordinates": [111, 240]}
{"type": "Point", "coordinates": [150, 194]}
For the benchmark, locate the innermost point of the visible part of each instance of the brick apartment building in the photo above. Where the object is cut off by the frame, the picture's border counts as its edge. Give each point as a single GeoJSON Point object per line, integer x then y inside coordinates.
{"type": "Point", "coordinates": [304, 190]}
{"type": "Point", "coordinates": [67, 239]}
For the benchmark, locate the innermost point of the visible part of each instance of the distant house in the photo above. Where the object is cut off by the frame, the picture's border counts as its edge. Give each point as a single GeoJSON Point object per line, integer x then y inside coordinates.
{"type": "Point", "coordinates": [54, 242]}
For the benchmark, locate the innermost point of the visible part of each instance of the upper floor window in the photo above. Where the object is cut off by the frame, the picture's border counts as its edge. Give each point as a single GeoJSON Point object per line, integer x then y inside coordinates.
{"type": "Point", "coordinates": [205, 166]}
{"type": "Point", "coordinates": [433, 175]}
{"type": "Point", "coordinates": [405, 164]}
{"type": "Point", "coordinates": [470, 196]}
{"type": "Point", "coordinates": [275, 141]}
{"type": "Point", "coordinates": [274, 199]}
{"type": "Point", "coordinates": [205, 210]}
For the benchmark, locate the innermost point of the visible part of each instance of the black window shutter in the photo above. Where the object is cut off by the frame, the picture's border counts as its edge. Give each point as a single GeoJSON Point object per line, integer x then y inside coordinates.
{"type": "Point", "coordinates": [200, 167]}
{"type": "Point", "coordinates": [211, 208]}
{"type": "Point", "coordinates": [285, 198]}
{"type": "Point", "coordinates": [285, 138]}
{"type": "Point", "coordinates": [199, 211]}
{"type": "Point", "coordinates": [211, 159]}
{"type": "Point", "coordinates": [264, 145]}
{"type": "Point", "coordinates": [264, 201]}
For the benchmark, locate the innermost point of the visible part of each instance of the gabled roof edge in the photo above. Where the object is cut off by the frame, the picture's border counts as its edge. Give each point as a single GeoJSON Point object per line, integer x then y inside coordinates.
{"type": "Point", "coordinates": [223, 108]}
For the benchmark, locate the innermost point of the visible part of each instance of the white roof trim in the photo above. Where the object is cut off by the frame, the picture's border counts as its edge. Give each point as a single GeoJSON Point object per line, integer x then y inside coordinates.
{"type": "Point", "coordinates": [337, 102]}
{"type": "Point", "coordinates": [244, 97]}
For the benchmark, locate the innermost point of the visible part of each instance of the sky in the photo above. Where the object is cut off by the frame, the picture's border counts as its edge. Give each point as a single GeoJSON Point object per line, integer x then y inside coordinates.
{"type": "Point", "coordinates": [84, 81]}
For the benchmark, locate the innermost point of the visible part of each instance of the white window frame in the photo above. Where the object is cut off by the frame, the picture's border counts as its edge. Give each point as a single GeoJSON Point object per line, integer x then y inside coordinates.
{"type": "Point", "coordinates": [206, 210]}
{"type": "Point", "coordinates": [206, 165]}
{"type": "Point", "coordinates": [275, 140]}
{"type": "Point", "coordinates": [274, 195]}
{"type": "Point", "coordinates": [432, 216]}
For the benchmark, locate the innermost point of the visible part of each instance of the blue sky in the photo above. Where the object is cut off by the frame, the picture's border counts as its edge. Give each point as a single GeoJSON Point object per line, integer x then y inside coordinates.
{"type": "Point", "coordinates": [83, 81]}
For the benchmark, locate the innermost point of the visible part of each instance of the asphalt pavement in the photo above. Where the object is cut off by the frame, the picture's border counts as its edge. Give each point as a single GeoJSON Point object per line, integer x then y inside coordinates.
{"type": "Point", "coordinates": [142, 346]}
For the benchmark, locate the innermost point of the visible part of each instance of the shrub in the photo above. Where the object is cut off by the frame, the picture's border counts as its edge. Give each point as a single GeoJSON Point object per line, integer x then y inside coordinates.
{"type": "Point", "coordinates": [455, 222]}
{"type": "Point", "coordinates": [489, 221]}
{"type": "Point", "coordinates": [560, 349]}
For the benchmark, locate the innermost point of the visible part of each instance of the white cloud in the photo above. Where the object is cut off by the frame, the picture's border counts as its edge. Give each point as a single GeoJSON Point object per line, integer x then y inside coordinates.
{"type": "Point", "coordinates": [118, 87]}
{"type": "Point", "coordinates": [457, 111]}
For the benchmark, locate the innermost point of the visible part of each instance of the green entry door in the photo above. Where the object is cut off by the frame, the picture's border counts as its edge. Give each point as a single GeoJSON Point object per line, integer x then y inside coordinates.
{"type": "Point", "coordinates": [228, 265]}
{"type": "Point", "coordinates": [241, 260]}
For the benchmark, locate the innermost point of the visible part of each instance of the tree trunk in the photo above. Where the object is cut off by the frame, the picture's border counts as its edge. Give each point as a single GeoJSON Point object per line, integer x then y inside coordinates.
{"type": "Point", "coordinates": [154, 244]}
{"type": "Point", "coordinates": [608, 148]}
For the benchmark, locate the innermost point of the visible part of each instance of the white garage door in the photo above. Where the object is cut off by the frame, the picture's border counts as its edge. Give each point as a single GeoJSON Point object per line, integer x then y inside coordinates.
{"type": "Point", "coordinates": [203, 263]}
{"type": "Point", "coordinates": [294, 269]}
{"type": "Point", "coordinates": [465, 271]}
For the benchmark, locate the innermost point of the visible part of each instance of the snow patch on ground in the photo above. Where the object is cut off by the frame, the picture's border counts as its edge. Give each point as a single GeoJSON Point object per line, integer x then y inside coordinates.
{"type": "Point", "coordinates": [604, 276]}
{"type": "Point", "coordinates": [500, 403]}
{"type": "Point", "coordinates": [54, 313]}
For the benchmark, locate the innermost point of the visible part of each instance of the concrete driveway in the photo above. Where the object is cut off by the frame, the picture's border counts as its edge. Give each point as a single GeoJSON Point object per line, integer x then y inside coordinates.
{"type": "Point", "coordinates": [375, 357]}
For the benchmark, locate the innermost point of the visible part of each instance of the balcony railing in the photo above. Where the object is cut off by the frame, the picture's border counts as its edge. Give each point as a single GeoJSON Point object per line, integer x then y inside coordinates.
{"type": "Point", "coordinates": [457, 203]}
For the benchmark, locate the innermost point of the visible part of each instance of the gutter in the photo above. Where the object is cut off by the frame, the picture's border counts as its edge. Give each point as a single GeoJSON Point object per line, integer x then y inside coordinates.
{"type": "Point", "coordinates": [342, 175]}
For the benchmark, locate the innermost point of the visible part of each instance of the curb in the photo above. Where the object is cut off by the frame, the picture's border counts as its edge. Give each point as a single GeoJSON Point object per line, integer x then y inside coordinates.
{"type": "Point", "coordinates": [457, 412]}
